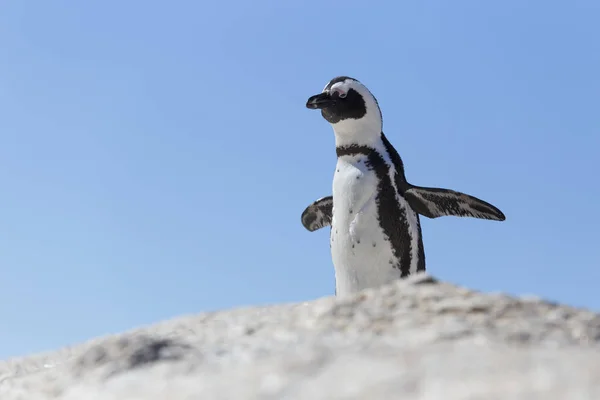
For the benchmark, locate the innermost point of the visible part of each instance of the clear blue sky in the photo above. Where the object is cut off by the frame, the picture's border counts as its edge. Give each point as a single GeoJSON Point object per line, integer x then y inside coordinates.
{"type": "Point", "coordinates": [156, 156]}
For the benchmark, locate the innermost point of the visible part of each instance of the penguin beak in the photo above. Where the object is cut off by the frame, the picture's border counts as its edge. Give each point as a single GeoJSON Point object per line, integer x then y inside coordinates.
{"type": "Point", "coordinates": [321, 100]}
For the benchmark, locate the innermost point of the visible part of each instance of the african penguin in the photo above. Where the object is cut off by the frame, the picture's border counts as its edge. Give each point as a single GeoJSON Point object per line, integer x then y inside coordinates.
{"type": "Point", "coordinates": [373, 214]}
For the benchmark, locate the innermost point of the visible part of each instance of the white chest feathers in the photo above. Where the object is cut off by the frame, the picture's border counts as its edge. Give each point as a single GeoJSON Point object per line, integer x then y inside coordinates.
{"type": "Point", "coordinates": [361, 253]}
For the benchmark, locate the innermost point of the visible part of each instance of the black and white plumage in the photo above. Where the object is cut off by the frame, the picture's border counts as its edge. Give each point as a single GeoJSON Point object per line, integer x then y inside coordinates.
{"type": "Point", "coordinates": [318, 214]}
{"type": "Point", "coordinates": [374, 212]}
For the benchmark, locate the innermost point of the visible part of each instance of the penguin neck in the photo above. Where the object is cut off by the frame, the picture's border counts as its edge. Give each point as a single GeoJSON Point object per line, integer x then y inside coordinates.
{"type": "Point", "coordinates": [358, 133]}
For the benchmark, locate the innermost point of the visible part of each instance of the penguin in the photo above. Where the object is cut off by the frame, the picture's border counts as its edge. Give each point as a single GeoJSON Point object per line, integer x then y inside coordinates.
{"type": "Point", "coordinates": [373, 212]}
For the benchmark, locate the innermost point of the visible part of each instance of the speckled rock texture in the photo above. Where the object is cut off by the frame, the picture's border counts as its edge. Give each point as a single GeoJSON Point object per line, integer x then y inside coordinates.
{"type": "Point", "coordinates": [414, 339]}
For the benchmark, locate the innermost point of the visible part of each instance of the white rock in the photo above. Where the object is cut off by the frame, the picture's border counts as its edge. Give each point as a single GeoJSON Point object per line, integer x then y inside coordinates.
{"type": "Point", "coordinates": [413, 339]}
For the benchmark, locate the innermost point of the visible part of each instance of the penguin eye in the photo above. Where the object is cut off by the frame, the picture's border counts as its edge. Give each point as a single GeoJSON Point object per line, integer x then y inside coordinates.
{"type": "Point", "coordinates": [341, 94]}
{"type": "Point", "coordinates": [338, 91]}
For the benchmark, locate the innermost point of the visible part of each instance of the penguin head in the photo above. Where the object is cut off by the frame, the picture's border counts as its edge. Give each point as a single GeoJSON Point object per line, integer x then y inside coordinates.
{"type": "Point", "coordinates": [349, 107]}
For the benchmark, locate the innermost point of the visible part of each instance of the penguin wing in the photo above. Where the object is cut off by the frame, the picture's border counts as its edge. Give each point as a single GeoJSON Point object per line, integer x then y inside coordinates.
{"type": "Point", "coordinates": [318, 215]}
{"type": "Point", "coordinates": [436, 202]}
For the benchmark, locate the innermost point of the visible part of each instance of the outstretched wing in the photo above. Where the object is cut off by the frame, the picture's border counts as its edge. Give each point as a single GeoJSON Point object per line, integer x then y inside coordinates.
{"type": "Point", "coordinates": [318, 214]}
{"type": "Point", "coordinates": [435, 202]}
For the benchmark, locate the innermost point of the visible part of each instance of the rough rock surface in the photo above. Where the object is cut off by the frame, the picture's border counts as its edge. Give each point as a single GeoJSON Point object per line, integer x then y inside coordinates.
{"type": "Point", "coordinates": [413, 339]}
